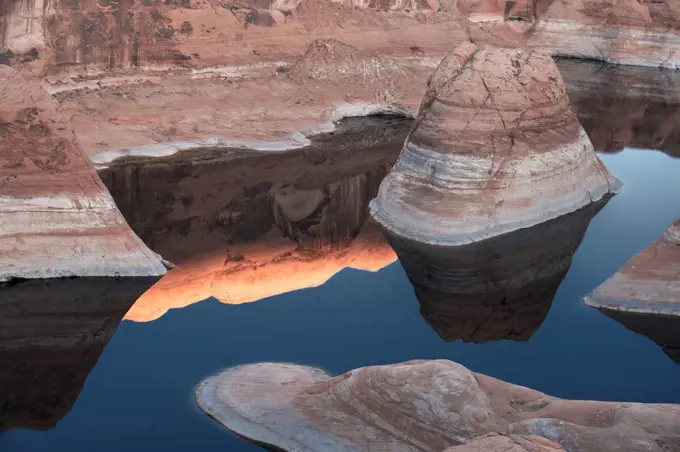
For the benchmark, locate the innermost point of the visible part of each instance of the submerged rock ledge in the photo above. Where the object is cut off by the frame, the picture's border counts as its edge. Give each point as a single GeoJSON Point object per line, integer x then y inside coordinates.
{"type": "Point", "coordinates": [419, 406]}
{"type": "Point", "coordinates": [495, 148]}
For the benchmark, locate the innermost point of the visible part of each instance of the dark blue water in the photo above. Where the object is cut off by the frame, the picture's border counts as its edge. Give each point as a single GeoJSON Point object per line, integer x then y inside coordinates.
{"type": "Point", "coordinates": [139, 396]}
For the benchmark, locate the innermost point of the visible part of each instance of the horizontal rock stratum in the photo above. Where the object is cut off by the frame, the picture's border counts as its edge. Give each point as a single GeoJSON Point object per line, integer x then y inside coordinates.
{"type": "Point", "coordinates": [495, 148]}
{"type": "Point", "coordinates": [56, 217]}
{"type": "Point", "coordinates": [420, 406]}
{"type": "Point", "coordinates": [648, 283]}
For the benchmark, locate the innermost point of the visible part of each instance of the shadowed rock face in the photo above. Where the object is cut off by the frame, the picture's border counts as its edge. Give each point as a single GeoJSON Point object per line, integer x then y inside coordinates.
{"type": "Point", "coordinates": [501, 288]}
{"type": "Point", "coordinates": [52, 333]}
{"type": "Point", "coordinates": [56, 217]}
{"type": "Point", "coordinates": [649, 283]}
{"type": "Point", "coordinates": [242, 226]}
{"type": "Point", "coordinates": [419, 406]}
{"type": "Point", "coordinates": [495, 148]}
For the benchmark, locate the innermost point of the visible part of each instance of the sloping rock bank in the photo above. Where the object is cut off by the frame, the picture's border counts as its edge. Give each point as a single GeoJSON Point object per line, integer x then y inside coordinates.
{"type": "Point", "coordinates": [419, 406]}
{"type": "Point", "coordinates": [623, 31]}
{"type": "Point", "coordinates": [56, 217]}
{"type": "Point", "coordinates": [648, 283]}
{"type": "Point", "coordinates": [495, 148]}
{"type": "Point", "coordinates": [500, 288]}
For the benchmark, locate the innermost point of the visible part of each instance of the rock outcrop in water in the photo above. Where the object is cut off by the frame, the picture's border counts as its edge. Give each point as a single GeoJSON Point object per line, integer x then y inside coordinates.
{"type": "Point", "coordinates": [501, 288]}
{"type": "Point", "coordinates": [649, 283]}
{"type": "Point", "coordinates": [495, 148]}
{"type": "Point", "coordinates": [52, 333]}
{"type": "Point", "coordinates": [419, 406]}
{"type": "Point", "coordinates": [56, 217]}
{"type": "Point", "coordinates": [623, 31]}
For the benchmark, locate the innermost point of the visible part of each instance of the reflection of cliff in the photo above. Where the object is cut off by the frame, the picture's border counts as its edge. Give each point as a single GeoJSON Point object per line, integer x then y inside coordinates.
{"type": "Point", "coordinates": [662, 329]}
{"type": "Point", "coordinates": [621, 106]}
{"type": "Point", "coordinates": [501, 288]}
{"type": "Point", "coordinates": [241, 226]}
{"type": "Point", "coordinates": [52, 333]}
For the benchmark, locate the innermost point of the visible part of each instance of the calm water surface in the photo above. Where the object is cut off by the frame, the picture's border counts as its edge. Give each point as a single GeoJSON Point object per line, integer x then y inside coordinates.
{"type": "Point", "coordinates": [139, 395]}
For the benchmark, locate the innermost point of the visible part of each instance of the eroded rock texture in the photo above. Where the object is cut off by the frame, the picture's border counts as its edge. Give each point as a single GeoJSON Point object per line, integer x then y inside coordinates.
{"type": "Point", "coordinates": [52, 333]}
{"type": "Point", "coordinates": [56, 217]}
{"type": "Point", "coordinates": [648, 283]}
{"type": "Point", "coordinates": [420, 406]}
{"type": "Point", "coordinates": [243, 225]}
{"type": "Point", "coordinates": [501, 288]}
{"type": "Point", "coordinates": [495, 148]}
{"type": "Point", "coordinates": [507, 443]}
{"type": "Point", "coordinates": [645, 33]}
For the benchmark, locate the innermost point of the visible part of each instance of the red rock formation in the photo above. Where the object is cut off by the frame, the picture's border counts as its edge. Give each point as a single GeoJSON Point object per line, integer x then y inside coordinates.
{"type": "Point", "coordinates": [56, 217]}
{"type": "Point", "coordinates": [419, 406]}
{"type": "Point", "coordinates": [648, 283]}
{"type": "Point", "coordinates": [495, 148]}
{"type": "Point", "coordinates": [645, 33]}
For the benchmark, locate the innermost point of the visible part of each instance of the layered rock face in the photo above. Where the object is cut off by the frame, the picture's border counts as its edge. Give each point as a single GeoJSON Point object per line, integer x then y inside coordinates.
{"type": "Point", "coordinates": [648, 283]}
{"type": "Point", "coordinates": [495, 148]}
{"type": "Point", "coordinates": [56, 217]}
{"type": "Point", "coordinates": [420, 406]}
{"type": "Point", "coordinates": [52, 333]}
{"type": "Point", "coordinates": [622, 106]}
{"type": "Point", "coordinates": [645, 33]}
{"type": "Point", "coordinates": [243, 225]}
{"type": "Point", "coordinates": [501, 288]}
{"type": "Point", "coordinates": [507, 443]}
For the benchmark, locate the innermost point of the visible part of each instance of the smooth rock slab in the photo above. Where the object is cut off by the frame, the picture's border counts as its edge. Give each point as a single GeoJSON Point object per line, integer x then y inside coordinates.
{"type": "Point", "coordinates": [648, 283]}
{"type": "Point", "coordinates": [419, 406]}
{"type": "Point", "coordinates": [495, 148]}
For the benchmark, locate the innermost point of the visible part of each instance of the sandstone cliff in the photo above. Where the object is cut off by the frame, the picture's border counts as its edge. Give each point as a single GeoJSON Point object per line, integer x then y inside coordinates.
{"type": "Point", "coordinates": [419, 406]}
{"type": "Point", "coordinates": [56, 217]}
{"type": "Point", "coordinates": [495, 148]}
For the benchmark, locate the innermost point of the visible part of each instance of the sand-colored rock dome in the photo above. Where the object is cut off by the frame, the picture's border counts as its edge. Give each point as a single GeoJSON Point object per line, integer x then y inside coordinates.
{"type": "Point", "coordinates": [419, 406]}
{"type": "Point", "coordinates": [495, 148]}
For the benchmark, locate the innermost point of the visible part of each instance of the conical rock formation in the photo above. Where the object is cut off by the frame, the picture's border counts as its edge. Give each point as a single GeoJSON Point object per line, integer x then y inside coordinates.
{"type": "Point", "coordinates": [495, 148]}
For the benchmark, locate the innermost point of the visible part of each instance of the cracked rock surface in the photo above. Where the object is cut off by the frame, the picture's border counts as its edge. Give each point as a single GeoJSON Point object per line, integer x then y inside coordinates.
{"type": "Point", "coordinates": [495, 148]}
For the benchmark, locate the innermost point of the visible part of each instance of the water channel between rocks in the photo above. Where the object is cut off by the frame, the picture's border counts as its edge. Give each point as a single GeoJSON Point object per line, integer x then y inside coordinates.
{"type": "Point", "coordinates": [278, 260]}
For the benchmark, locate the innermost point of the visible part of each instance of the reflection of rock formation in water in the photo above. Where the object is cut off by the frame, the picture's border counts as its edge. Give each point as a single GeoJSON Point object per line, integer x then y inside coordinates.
{"type": "Point", "coordinates": [622, 106]}
{"type": "Point", "coordinates": [495, 148]}
{"type": "Point", "coordinates": [662, 329]}
{"type": "Point", "coordinates": [501, 288]}
{"type": "Point", "coordinates": [648, 283]}
{"type": "Point", "coordinates": [52, 333]}
{"type": "Point", "coordinates": [242, 225]}
{"type": "Point", "coordinates": [420, 406]}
